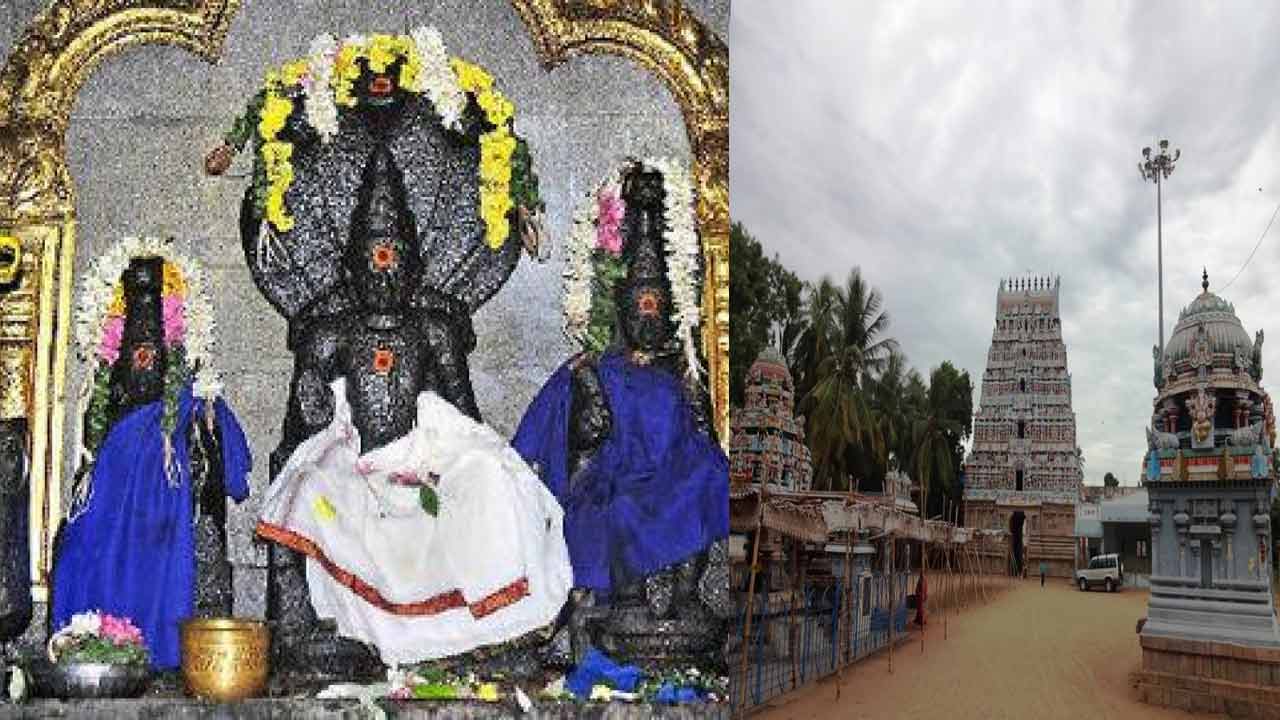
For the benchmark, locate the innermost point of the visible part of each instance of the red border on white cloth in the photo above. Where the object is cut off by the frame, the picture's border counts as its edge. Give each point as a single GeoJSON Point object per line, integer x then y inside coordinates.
{"type": "Point", "coordinates": [449, 600]}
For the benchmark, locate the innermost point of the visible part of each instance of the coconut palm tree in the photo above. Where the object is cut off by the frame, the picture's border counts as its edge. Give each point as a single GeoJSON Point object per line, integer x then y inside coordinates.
{"type": "Point", "coordinates": [863, 323]}
{"type": "Point", "coordinates": [939, 429]}
{"type": "Point", "coordinates": [841, 351]}
{"type": "Point", "coordinates": [817, 337]}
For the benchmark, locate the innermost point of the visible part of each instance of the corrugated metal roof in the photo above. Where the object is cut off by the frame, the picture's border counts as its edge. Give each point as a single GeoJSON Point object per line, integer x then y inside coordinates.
{"type": "Point", "coordinates": [1088, 527]}
{"type": "Point", "coordinates": [1126, 509]}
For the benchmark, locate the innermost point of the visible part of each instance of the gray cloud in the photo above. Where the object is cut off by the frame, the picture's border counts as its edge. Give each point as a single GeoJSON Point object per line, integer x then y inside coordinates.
{"type": "Point", "coordinates": [941, 146]}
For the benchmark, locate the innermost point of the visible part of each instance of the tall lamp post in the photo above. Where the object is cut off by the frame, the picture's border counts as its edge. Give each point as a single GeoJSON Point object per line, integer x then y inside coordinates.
{"type": "Point", "coordinates": [1155, 168]}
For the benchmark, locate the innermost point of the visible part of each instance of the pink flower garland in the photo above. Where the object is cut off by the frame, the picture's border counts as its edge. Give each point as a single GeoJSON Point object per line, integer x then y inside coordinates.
{"type": "Point", "coordinates": [112, 333]}
{"type": "Point", "coordinates": [174, 328]}
{"type": "Point", "coordinates": [609, 225]}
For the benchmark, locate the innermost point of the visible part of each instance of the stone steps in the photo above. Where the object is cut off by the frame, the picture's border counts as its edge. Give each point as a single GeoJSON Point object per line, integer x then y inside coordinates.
{"type": "Point", "coordinates": [1212, 625]}
{"type": "Point", "coordinates": [1238, 596]}
{"type": "Point", "coordinates": [1053, 547]}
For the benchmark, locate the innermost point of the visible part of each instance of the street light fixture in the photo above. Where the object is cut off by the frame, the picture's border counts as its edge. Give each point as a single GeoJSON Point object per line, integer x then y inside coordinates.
{"type": "Point", "coordinates": [1155, 168]}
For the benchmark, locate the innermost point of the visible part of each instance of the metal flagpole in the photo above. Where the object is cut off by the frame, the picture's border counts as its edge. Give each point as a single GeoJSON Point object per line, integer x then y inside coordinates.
{"type": "Point", "coordinates": [1157, 167]}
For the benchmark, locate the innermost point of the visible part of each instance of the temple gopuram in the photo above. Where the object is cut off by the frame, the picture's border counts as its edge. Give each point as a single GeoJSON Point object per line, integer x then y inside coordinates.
{"type": "Point", "coordinates": [768, 441]}
{"type": "Point", "coordinates": [1211, 641]}
{"type": "Point", "coordinates": [1023, 472]}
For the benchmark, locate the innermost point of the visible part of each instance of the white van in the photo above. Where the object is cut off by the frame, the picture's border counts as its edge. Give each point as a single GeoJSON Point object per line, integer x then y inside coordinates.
{"type": "Point", "coordinates": [1104, 570]}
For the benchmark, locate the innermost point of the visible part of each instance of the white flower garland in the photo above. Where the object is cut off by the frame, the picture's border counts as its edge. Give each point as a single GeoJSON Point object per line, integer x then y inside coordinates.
{"type": "Point", "coordinates": [682, 248]}
{"type": "Point", "coordinates": [197, 312]}
{"type": "Point", "coordinates": [321, 110]}
{"type": "Point", "coordinates": [437, 78]}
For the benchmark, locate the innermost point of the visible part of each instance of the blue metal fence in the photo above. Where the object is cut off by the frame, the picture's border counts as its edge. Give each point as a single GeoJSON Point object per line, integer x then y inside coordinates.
{"type": "Point", "coordinates": [799, 640]}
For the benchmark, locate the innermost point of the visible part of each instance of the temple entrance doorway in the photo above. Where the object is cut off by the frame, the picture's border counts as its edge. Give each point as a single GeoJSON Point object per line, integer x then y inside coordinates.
{"type": "Point", "coordinates": [1016, 522]}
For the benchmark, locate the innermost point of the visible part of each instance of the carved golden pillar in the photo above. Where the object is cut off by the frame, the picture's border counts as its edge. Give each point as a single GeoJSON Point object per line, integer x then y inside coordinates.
{"type": "Point", "coordinates": [34, 327]}
{"type": "Point", "coordinates": [35, 316]}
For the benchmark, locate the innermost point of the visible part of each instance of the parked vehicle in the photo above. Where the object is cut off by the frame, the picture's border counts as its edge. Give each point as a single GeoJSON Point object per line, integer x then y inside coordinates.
{"type": "Point", "coordinates": [1104, 570]}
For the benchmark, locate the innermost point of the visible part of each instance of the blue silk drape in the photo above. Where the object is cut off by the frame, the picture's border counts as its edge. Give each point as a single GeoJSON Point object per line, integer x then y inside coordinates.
{"type": "Point", "coordinates": [132, 550]}
{"type": "Point", "coordinates": [656, 492]}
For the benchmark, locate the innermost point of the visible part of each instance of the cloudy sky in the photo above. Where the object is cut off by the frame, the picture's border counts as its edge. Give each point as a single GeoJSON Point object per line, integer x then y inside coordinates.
{"type": "Point", "coordinates": [941, 146]}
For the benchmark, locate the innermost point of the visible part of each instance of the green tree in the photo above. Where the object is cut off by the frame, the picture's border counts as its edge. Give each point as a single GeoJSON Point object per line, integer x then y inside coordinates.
{"type": "Point", "coordinates": [787, 311]}
{"type": "Point", "coordinates": [749, 312]}
{"type": "Point", "coordinates": [939, 435]}
{"type": "Point", "coordinates": [767, 307]}
{"type": "Point", "coordinates": [844, 345]}
{"type": "Point", "coordinates": [1110, 480]}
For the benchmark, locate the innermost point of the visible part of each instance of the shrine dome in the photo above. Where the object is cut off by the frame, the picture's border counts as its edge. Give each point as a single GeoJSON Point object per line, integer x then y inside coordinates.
{"type": "Point", "coordinates": [768, 439]}
{"type": "Point", "coordinates": [770, 365]}
{"type": "Point", "coordinates": [1218, 317]}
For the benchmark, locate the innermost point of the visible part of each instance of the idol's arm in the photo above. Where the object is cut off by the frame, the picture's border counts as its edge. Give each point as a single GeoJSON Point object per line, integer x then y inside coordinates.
{"type": "Point", "coordinates": [590, 420]}
{"type": "Point", "coordinates": [317, 363]}
{"type": "Point", "coordinates": [213, 596]}
{"type": "Point", "coordinates": [450, 339]}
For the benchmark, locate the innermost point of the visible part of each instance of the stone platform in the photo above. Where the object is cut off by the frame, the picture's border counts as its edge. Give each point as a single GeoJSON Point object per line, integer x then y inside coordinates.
{"type": "Point", "coordinates": [294, 697]}
{"type": "Point", "coordinates": [1207, 676]}
{"type": "Point", "coordinates": [274, 708]}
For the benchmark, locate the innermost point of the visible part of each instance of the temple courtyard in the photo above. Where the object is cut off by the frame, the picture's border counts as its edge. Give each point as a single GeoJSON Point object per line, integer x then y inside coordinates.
{"type": "Point", "coordinates": [1030, 652]}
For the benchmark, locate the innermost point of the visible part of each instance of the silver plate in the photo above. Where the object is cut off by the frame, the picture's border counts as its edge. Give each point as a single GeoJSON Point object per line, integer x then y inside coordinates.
{"type": "Point", "coordinates": [88, 680]}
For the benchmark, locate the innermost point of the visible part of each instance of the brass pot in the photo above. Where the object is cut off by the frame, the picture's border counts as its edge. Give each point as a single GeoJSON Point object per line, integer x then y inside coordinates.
{"type": "Point", "coordinates": [225, 658]}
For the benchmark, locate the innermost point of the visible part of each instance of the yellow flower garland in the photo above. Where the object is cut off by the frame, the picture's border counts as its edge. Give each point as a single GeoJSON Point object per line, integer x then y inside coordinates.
{"type": "Point", "coordinates": [173, 282]}
{"type": "Point", "coordinates": [381, 52]}
{"type": "Point", "coordinates": [496, 147]}
{"type": "Point", "coordinates": [276, 154]}
{"type": "Point", "coordinates": [116, 308]}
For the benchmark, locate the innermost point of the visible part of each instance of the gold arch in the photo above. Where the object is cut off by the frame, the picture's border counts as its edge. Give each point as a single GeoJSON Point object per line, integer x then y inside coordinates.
{"type": "Point", "coordinates": [69, 38]}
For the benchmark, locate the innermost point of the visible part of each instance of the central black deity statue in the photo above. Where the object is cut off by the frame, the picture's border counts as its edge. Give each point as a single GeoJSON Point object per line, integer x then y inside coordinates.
{"type": "Point", "coordinates": [388, 253]}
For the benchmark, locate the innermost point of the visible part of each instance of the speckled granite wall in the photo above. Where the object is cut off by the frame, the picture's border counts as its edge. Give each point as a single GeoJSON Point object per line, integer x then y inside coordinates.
{"type": "Point", "coordinates": [145, 120]}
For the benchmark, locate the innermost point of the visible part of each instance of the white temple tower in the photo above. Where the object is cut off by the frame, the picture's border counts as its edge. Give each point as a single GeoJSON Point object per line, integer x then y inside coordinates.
{"type": "Point", "coordinates": [1023, 472]}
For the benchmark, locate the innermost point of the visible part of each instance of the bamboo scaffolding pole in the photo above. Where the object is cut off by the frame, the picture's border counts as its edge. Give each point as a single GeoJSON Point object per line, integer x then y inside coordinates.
{"type": "Point", "coordinates": [751, 595]}
{"type": "Point", "coordinates": [843, 627]}
{"type": "Point", "coordinates": [946, 556]}
{"type": "Point", "coordinates": [892, 587]}
{"type": "Point", "coordinates": [982, 579]}
{"type": "Point", "coordinates": [976, 563]}
{"type": "Point", "coordinates": [920, 595]}
{"type": "Point", "coordinates": [792, 636]}
{"type": "Point", "coordinates": [946, 548]}
{"type": "Point", "coordinates": [973, 577]}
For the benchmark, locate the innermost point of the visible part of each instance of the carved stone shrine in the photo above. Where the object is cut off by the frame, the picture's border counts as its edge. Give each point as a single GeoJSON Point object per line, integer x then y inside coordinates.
{"type": "Point", "coordinates": [1211, 641]}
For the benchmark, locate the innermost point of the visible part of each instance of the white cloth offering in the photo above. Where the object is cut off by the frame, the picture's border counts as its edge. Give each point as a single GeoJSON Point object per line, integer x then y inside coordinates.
{"type": "Point", "coordinates": [489, 566]}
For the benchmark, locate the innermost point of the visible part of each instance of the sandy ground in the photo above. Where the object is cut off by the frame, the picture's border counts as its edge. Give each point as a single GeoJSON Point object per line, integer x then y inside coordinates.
{"type": "Point", "coordinates": [1030, 654]}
